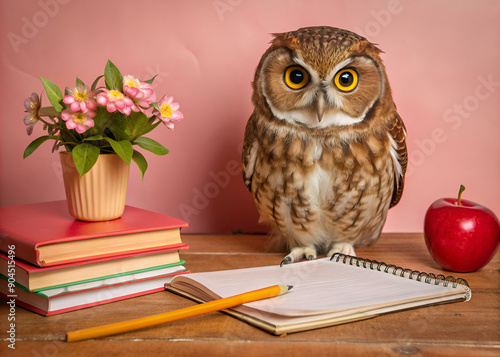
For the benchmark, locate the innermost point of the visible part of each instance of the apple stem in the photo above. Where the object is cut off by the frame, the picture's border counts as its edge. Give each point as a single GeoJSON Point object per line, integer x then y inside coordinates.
{"type": "Point", "coordinates": [462, 189]}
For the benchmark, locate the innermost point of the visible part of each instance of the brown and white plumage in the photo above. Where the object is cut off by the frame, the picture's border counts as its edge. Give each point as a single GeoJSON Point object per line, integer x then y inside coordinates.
{"type": "Point", "coordinates": [324, 152]}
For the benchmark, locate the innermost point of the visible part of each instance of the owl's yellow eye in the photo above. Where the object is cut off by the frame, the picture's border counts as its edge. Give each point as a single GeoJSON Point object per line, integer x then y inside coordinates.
{"type": "Point", "coordinates": [346, 79]}
{"type": "Point", "coordinates": [296, 77]}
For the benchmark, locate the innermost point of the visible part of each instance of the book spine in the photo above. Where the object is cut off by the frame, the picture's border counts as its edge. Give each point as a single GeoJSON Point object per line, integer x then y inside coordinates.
{"type": "Point", "coordinates": [23, 250]}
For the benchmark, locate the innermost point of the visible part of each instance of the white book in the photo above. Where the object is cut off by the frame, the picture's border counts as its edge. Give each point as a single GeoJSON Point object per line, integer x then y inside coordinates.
{"type": "Point", "coordinates": [74, 297]}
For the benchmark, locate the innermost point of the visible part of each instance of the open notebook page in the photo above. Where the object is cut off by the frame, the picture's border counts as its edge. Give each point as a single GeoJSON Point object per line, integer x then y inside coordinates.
{"type": "Point", "coordinates": [319, 286]}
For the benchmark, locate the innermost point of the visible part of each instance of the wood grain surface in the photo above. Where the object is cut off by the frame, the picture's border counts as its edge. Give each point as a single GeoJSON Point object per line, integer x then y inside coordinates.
{"type": "Point", "coordinates": [459, 329]}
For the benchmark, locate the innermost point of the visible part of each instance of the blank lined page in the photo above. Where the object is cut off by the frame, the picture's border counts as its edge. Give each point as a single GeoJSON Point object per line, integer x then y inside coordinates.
{"type": "Point", "coordinates": [320, 286]}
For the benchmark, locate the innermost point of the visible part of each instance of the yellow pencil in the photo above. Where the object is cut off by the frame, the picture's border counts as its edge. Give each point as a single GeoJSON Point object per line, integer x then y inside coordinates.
{"type": "Point", "coordinates": [191, 311]}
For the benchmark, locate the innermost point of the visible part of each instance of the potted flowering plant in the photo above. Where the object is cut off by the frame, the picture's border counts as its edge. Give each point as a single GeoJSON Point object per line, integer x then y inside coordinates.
{"type": "Point", "coordinates": [89, 122]}
{"type": "Point", "coordinates": [98, 120]}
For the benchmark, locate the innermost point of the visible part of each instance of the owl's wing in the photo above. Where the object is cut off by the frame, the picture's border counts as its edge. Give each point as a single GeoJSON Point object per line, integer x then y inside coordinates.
{"type": "Point", "coordinates": [250, 149]}
{"type": "Point", "coordinates": [397, 131]}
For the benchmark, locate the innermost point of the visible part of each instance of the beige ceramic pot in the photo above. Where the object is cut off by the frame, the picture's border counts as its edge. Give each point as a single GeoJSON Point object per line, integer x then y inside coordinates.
{"type": "Point", "coordinates": [100, 194]}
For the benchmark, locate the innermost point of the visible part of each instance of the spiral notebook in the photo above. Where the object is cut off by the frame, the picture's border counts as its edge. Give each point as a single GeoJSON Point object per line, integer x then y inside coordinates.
{"type": "Point", "coordinates": [325, 292]}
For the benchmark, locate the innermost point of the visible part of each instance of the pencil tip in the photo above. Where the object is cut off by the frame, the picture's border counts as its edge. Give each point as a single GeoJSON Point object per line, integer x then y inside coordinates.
{"type": "Point", "coordinates": [284, 288]}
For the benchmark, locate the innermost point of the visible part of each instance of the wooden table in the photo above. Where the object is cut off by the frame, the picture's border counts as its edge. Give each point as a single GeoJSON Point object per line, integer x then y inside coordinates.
{"type": "Point", "coordinates": [458, 329]}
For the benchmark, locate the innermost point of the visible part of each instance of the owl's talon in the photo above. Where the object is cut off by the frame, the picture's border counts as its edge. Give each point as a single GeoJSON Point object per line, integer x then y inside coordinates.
{"type": "Point", "coordinates": [286, 260]}
{"type": "Point", "coordinates": [309, 253]}
{"type": "Point", "coordinates": [343, 248]}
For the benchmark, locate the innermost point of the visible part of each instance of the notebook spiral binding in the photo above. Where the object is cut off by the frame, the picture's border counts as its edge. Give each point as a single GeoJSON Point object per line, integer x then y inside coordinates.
{"type": "Point", "coordinates": [396, 270]}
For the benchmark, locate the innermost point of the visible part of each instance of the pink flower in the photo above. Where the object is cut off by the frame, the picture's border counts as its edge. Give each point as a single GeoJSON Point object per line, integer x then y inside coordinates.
{"type": "Point", "coordinates": [115, 100]}
{"type": "Point", "coordinates": [169, 111]}
{"type": "Point", "coordinates": [78, 120]}
{"type": "Point", "coordinates": [140, 92]}
{"type": "Point", "coordinates": [80, 99]}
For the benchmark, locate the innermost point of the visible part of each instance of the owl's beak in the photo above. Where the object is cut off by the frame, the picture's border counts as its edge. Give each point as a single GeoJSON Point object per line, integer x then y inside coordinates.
{"type": "Point", "coordinates": [320, 106]}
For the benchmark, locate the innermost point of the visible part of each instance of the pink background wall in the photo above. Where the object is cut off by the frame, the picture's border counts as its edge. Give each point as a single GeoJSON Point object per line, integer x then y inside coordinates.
{"type": "Point", "coordinates": [442, 57]}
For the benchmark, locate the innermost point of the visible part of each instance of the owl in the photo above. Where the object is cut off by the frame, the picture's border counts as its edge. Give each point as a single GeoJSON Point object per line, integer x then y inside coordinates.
{"type": "Point", "coordinates": [324, 153]}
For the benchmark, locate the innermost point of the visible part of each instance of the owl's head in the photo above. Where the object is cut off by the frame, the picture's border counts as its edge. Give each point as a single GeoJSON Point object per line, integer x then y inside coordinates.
{"type": "Point", "coordinates": [321, 77]}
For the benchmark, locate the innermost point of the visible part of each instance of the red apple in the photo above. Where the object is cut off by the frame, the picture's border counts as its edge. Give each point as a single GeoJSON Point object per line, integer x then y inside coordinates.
{"type": "Point", "coordinates": [461, 235]}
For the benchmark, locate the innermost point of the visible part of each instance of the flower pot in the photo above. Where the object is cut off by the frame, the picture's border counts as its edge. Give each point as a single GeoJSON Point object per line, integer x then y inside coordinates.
{"type": "Point", "coordinates": [100, 194]}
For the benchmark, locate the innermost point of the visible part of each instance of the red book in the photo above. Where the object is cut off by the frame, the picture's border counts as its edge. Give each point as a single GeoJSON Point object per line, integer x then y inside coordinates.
{"type": "Point", "coordinates": [44, 234]}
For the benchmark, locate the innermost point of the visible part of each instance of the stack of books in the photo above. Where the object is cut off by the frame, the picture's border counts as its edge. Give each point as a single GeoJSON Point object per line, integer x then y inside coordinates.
{"type": "Point", "coordinates": [51, 263]}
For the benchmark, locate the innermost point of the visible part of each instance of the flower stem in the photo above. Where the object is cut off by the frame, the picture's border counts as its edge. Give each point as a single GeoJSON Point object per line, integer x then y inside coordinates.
{"type": "Point", "coordinates": [71, 143]}
{"type": "Point", "coordinates": [462, 189]}
{"type": "Point", "coordinates": [106, 124]}
{"type": "Point", "coordinates": [45, 122]}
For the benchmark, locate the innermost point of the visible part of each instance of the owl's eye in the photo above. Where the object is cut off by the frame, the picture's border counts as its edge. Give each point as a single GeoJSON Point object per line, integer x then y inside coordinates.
{"type": "Point", "coordinates": [346, 79]}
{"type": "Point", "coordinates": [296, 77]}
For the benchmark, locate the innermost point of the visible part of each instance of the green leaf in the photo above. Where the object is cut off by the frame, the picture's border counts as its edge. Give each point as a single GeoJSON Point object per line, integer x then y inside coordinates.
{"type": "Point", "coordinates": [85, 156]}
{"type": "Point", "coordinates": [79, 81]}
{"type": "Point", "coordinates": [94, 137]}
{"type": "Point", "coordinates": [48, 112]}
{"type": "Point", "coordinates": [151, 145]}
{"type": "Point", "coordinates": [141, 162]}
{"type": "Point", "coordinates": [123, 148]}
{"type": "Point", "coordinates": [150, 81]}
{"type": "Point", "coordinates": [118, 126]}
{"type": "Point", "coordinates": [139, 124]}
{"type": "Point", "coordinates": [113, 77]}
{"type": "Point", "coordinates": [53, 93]}
{"type": "Point", "coordinates": [155, 106]}
{"type": "Point", "coordinates": [36, 143]}
{"type": "Point", "coordinates": [101, 118]}
{"type": "Point", "coordinates": [94, 84]}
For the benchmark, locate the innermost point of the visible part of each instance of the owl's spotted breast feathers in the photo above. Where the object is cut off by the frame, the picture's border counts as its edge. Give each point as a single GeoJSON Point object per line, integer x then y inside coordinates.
{"type": "Point", "coordinates": [311, 186]}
